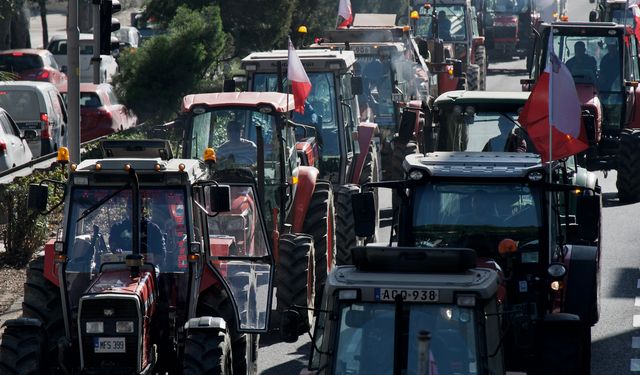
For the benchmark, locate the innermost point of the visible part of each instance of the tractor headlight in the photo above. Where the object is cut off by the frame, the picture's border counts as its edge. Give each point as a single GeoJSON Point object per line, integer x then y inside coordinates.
{"type": "Point", "coordinates": [124, 327]}
{"type": "Point", "coordinates": [95, 327]}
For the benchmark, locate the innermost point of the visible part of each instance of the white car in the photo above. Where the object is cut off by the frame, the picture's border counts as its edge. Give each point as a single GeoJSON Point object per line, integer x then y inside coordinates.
{"type": "Point", "coordinates": [108, 65]}
{"type": "Point", "coordinates": [128, 35]}
{"type": "Point", "coordinates": [14, 149]}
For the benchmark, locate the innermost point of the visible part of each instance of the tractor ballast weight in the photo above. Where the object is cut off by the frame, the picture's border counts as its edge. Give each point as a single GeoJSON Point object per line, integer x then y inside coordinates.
{"type": "Point", "coordinates": [141, 279]}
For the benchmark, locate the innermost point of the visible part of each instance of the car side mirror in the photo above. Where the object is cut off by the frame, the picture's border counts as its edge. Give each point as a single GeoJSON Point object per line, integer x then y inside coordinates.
{"type": "Point", "coordinates": [29, 135]}
{"type": "Point", "coordinates": [357, 87]}
{"type": "Point", "coordinates": [588, 217]}
{"type": "Point", "coordinates": [290, 320]}
{"type": "Point", "coordinates": [38, 197]}
{"type": "Point", "coordinates": [218, 198]}
{"type": "Point", "coordinates": [364, 208]}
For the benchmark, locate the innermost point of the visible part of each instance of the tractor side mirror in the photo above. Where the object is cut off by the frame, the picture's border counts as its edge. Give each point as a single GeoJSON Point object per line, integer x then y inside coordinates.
{"type": "Point", "coordinates": [364, 208]}
{"type": "Point", "coordinates": [588, 217]}
{"type": "Point", "coordinates": [438, 51]}
{"type": "Point", "coordinates": [38, 196]}
{"type": "Point", "coordinates": [457, 67]}
{"type": "Point", "coordinates": [593, 15]}
{"type": "Point", "coordinates": [229, 85]}
{"type": "Point", "coordinates": [218, 198]}
{"type": "Point", "coordinates": [356, 85]}
{"type": "Point", "coordinates": [290, 320]}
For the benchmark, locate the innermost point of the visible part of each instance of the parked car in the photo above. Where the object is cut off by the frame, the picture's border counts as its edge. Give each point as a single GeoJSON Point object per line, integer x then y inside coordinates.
{"type": "Point", "coordinates": [14, 149]}
{"type": "Point", "coordinates": [32, 65]}
{"type": "Point", "coordinates": [36, 106]}
{"type": "Point", "coordinates": [128, 35]}
{"type": "Point", "coordinates": [100, 112]}
{"type": "Point", "coordinates": [108, 65]}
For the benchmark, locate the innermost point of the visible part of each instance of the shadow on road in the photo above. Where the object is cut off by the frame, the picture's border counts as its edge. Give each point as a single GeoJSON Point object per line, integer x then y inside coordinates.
{"type": "Point", "coordinates": [612, 200]}
{"type": "Point", "coordinates": [620, 280]}
{"type": "Point", "coordinates": [507, 72]}
{"type": "Point", "coordinates": [606, 354]}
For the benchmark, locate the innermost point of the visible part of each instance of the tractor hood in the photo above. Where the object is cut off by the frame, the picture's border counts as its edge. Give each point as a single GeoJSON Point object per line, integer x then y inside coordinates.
{"type": "Point", "coordinates": [120, 282]}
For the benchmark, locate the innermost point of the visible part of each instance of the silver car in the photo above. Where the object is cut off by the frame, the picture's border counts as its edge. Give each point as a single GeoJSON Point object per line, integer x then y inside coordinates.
{"type": "Point", "coordinates": [14, 149]}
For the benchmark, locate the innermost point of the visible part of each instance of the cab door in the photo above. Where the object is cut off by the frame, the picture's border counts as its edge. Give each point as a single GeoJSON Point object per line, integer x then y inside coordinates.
{"type": "Point", "coordinates": [240, 254]}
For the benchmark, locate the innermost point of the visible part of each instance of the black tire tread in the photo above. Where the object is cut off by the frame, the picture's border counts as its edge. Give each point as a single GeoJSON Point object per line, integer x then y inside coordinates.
{"type": "Point", "coordinates": [200, 350]}
{"type": "Point", "coordinates": [628, 180]}
{"type": "Point", "coordinates": [345, 223]}
{"type": "Point", "coordinates": [473, 76]}
{"type": "Point", "coordinates": [481, 61]}
{"type": "Point", "coordinates": [21, 351]}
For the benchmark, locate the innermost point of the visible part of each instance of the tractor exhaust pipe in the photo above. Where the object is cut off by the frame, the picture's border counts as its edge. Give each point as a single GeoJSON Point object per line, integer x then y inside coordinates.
{"type": "Point", "coordinates": [135, 260]}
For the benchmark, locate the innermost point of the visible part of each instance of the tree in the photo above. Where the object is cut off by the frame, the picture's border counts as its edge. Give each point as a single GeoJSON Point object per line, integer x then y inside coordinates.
{"type": "Point", "coordinates": [153, 79]}
{"type": "Point", "coordinates": [14, 24]}
{"type": "Point", "coordinates": [42, 4]}
{"type": "Point", "coordinates": [316, 15]}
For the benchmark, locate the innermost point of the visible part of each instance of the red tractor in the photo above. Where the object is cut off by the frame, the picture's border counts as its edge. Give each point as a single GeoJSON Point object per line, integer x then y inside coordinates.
{"type": "Point", "coordinates": [508, 26]}
{"type": "Point", "coordinates": [348, 151]}
{"type": "Point", "coordinates": [253, 138]}
{"type": "Point", "coordinates": [142, 279]}
{"type": "Point", "coordinates": [602, 59]}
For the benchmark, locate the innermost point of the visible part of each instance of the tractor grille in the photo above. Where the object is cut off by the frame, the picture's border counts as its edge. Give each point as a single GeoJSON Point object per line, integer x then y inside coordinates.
{"type": "Point", "coordinates": [500, 32]}
{"type": "Point", "coordinates": [124, 309]}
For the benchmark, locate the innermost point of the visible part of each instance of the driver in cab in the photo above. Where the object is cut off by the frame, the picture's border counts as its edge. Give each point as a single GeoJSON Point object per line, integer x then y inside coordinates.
{"type": "Point", "coordinates": [237, 149]}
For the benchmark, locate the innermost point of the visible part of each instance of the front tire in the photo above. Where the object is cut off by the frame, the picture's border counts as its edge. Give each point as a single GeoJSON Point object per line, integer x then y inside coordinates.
{"type": "Point", "coordinates": [628, 181]}
{"type": "Point", "coordinates": [473, 77]}
{"type": "Point", "coordinates": [207, 352]}
{"type": "Point", "coordinates": [23, 351]}
{"type": "Point", "coordinates": [481, 61]}
{"type": "Point", "coordinates": [345, 223]}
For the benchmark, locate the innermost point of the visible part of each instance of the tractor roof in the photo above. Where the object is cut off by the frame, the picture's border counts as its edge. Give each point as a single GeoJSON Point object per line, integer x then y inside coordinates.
{"type": "Point", "coordinates": [312, 59]}
{"type": "Point", "coordinates": [585, 28]}
{"type": "Point", "coordinates": [449, 271]}
{"type": "Point", "coordinates": [364, 48]}
{"type": "Point", "coordinates": [474, 164]}
{"type": "Point", "coordinates": [369, 20]}
{"type": "Point", "coordinates": [442, 2]}
{"type": "Point", "coordinates": [278, 101]}
{"type": "Point", "coordinates": [481, 97]}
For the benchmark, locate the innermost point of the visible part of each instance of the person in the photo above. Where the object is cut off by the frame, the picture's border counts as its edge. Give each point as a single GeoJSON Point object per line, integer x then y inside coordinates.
{"type": "Point", "coordinates": [444, 26]}
{"type": "Point", "coordinates": [610, 68]}
{"type": "Point", "coordinates": [311, 118]}
{"type": "Point", "coordinates": [507, 140]}
{"type": "Point", "coordinates": [238, 149]}
{"type": "Point", "coordinates": [152, 240]}
{"type": "Point", "coordinates": [483, 210]}
{"type": "Point", "coordinates": [582, 63]}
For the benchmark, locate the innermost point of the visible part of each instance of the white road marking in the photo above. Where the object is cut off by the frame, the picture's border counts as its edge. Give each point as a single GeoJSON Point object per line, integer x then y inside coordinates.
{"type": "Point", "coordinates": [636, 321]}
{"type": "Point", "coordinates": [635, 365]}
{"type": "Point", "coordinates": [635, 342]}
{"type": "Point", "coordinates": [638, 284]}
{"type": "Point", "coordinates": [637, 302]}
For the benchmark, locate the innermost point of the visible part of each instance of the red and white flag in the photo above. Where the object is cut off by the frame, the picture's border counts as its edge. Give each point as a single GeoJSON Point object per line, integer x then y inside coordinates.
{"type": "Point", "coordinates": [552, 115]}
{"type": "Point", "coordinates": [297, 76]}
{"type": "Point", "coordinates": [635, 11]}
{"type": "Point", "coordinates": [345, 15]}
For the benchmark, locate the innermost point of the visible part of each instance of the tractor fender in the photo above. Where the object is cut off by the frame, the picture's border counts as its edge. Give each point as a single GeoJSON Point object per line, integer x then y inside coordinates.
{"type": "Point", "coordinates": [635, 120]}
{"type": "Point", "coordinates": [50, 266]}
{"type": "Point", "coordinates": [581, 288]}
{"type": "Point", "coordinates": [307, 177]}
{"type": "Point", "coordinates": [23, 322]}
{"type": "Point", "coordinates": [205, 322]}
{"type": "Point", "coordinates": [366, 131]}
{"type": "Point", "coordinates": [589, 101]}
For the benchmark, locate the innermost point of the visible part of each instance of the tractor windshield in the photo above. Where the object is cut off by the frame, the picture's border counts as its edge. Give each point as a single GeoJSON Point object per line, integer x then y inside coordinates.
{"type": "Point", "coordinates": [320, 108]}
{"type": "Point", "coordinates": [597, 61]}
{"type": "Point", "coordinates": [367, 329]}
{"type": "Point", "coordinates": [467, 129]}
{"type": "Point", "coordinates": [377, 76]}
{"type": "Point", "coordinates": [477, 216]}
{"type": "Point", "coordinates": [450, 21]}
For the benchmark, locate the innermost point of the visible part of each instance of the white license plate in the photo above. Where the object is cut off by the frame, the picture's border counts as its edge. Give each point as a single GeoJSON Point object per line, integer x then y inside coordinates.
{"type": "Point", "coordinates": [361, 50]}
{"type": "Point", "coordinates": [408, 295]}
{"type": "Point", "coordinates": [109, 345]}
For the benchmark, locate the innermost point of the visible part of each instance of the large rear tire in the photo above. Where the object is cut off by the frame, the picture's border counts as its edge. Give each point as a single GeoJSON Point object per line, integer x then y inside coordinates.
{"type": "Point", "coordinates": [320, 224]}
{"type": "Point", "coordinates": [473, 77]}
{"type": "Point", "coordinates": [207, 351]}
{"type": "Point", "coordinates": [23, 351]}
{"type": "Point", "coordinates": [628, 181]}
{"type": "Point", "coordinates": [345, 223]}
{"type": "Point", "coordinates": [42, 301]}
{"type": "Point", "coordinates": [481, 61]}
{"type": "Point", "coordinates": [296, 276]}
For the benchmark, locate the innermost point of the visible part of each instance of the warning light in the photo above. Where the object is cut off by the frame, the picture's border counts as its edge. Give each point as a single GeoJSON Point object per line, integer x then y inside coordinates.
{"type": "Point", "coordinates": [564, 18]}
{"type": "Point", "coordinates": [302, 29]}
{"type": "Point", "coordinates": [507, 246]}
{"type": "Point", "coordinates": [415, 15]}
{"type": "Point", "coordinates": [63, 155]}
{"type": "Point", "coordinates": [209, 154]}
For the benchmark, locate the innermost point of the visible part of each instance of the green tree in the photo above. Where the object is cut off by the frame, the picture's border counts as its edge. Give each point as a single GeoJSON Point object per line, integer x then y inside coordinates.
{"type": "Point", "coordinates": [153, 80]}
{"type": "Point", "coordinates": [316, 15]}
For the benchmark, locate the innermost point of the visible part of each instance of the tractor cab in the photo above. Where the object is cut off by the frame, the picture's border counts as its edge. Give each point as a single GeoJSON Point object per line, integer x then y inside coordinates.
{"type": "Point", "coordinates": [614, 11]}
{"type": "Point", "coordinates": [332, 108]}
{"type": "Point", "coordinates": [155, 264]}
{"type": "Point", "coordinates": [427, 308]}
{"type": "Point", "coordinates": [499, 205]}
{"type": "Point", "coordinates": [602, 58]}
{"type": "Point", "coordinates": [449, 29]}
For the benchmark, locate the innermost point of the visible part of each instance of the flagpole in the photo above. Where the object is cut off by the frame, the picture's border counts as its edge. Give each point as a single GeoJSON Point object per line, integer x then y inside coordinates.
{"type": "Point", "coordinates": [551, 121]}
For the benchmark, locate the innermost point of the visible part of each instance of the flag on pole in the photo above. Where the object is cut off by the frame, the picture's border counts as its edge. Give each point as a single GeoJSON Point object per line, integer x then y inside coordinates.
{"type": "Point", "coordinates": [344, 14]}
{"type": "Point", "coordinates": [635, 11]}
{"type": "Point", "coordinates": [297, 76]}
{"type": "Point", "coordinates": [552, 115]}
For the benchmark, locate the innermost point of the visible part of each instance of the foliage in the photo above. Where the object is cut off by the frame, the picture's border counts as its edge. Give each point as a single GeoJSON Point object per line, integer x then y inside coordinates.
{"type": "Point", "coordinates": [153, 79]}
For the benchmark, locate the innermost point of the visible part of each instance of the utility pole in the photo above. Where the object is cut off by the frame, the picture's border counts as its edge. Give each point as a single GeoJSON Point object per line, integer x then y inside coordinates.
{"type": "Point", "coordinates": [95, 60]}
{"type": "Point", "coordinates": [73, 84]}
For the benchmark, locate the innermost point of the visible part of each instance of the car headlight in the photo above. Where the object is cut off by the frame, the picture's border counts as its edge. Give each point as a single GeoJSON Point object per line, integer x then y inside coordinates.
{"type": "Point", "coordinates": [124, 327]}
{"type": "Point", "coordinates": [95, 327]}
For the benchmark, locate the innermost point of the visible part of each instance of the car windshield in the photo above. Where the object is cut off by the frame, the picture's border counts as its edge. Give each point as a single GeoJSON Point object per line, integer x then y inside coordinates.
{"type": "Point", "coordinates": [320, 107]}
{"type": "Point", "coordinates": [367, 330]}
{"type": "Point", "coordinates": [102, 233]}
{"type": "Point", "coordinates": [22, 105]}
{"type": "Point", "coordinates": [450, 20]}
{"type": "Point", "coordinates": [20, 62]}
{"type": "Point", "coordinates": [470, 130]}
{"type": "Point", "coordinates": [477, 216]}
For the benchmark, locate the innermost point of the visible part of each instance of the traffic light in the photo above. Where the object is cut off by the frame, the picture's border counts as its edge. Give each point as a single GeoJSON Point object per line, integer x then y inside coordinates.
{"type": "Point", "coordinates": [108, 24]}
